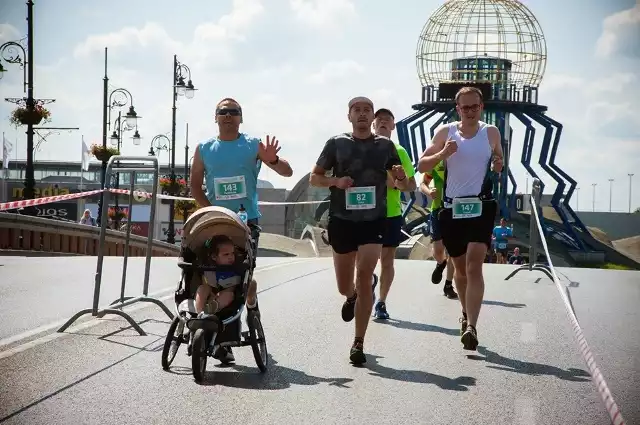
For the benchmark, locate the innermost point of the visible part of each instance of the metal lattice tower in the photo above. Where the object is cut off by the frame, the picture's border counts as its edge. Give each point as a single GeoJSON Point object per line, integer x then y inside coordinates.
{"type": "Point", "coordinates": [482, 40]}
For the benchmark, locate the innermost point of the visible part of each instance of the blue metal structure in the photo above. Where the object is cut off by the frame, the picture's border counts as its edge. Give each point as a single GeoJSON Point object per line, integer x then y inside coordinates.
{"type": "Point", "coordinates": [503, 101]}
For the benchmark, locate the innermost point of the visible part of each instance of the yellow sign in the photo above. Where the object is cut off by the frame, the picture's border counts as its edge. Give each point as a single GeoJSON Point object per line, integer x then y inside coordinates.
{"type": "Point", "coordinates": [18, 192]}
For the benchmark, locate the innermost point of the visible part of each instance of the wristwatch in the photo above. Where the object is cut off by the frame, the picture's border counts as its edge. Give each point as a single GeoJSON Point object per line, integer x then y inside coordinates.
{"type": "Point", "coordinates": [276, 161]}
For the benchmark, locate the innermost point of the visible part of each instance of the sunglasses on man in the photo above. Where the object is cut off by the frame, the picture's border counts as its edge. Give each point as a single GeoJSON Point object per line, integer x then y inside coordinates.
{"type": "Point", "coordinates": [234, 112]}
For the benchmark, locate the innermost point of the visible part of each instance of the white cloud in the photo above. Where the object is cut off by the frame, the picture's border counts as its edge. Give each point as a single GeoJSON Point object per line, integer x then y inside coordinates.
{"type": "Point", "coordinates": [209, 39]}
{"type": "Point", "coordinates": [620, 34]}
{"type": "Point", "coordinates": [336, 70]}
{"type": "Point", "coordinates": [325, 14]}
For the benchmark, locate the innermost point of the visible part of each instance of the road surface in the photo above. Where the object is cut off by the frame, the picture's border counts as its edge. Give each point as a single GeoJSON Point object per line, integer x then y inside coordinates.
{"type": "Point", "coordinates": [527, 369]}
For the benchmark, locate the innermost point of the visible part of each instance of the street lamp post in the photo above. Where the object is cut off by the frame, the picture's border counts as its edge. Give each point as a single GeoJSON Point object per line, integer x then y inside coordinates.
{"type": "Point", "coordinates": [116, 99]}
{"type": "Point", "coordinates": [630, 176]}
{"type": "Point", "coordinates": [610, 193]}
{"type": "Point", "coordinates": [593, 200]}
{"type": "Point", "coordinates": [157, 143]}
{"type": "Point", "coordinates": [186, 171]}
{"type": "Point", "coordinates": [116, 140]}
{"type": "Point", "coordinates": [180, 71]}
{"type": "Point", "coordinates": [10, 52]}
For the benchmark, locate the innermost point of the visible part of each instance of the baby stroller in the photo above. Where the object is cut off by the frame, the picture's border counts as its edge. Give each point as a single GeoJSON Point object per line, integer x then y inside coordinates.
{"type": "Point", "coordinates": [224, 329]}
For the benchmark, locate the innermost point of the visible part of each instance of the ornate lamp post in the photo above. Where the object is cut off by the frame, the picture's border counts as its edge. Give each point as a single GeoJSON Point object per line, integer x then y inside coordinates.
{"type": "Point", "coordinates": [160, 143]}
{"type": "Point", "coordinates": [14, 53]}
{"type": "Point", "coordinates": [180, 71]}
{"type": "Point", "coordinates": [116, 99]}
{"type": "Point", "coordinates": [116, 140]}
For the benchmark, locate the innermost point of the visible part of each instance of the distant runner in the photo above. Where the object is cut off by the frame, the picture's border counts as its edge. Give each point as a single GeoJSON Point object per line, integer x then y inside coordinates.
{"type": "Point", "coordinates": [383, 125]}
{"type": "Point", "coordinates": [435, 193]}
{"type": "Point", "coordinates": [501, 236]}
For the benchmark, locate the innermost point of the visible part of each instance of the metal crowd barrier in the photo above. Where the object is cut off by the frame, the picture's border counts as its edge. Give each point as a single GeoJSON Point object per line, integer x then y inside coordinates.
{"type": "Point", "coordinates": [534, 236]}
{"type": "Point", "coordinates": [116, 306]}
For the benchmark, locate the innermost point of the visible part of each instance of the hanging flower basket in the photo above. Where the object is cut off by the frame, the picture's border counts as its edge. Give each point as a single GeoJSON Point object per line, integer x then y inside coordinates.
{"type": "Point", "coordinates": [176, 189]}
{"type": "Point", "coordinates": [103, 154]}
{"type": "Point", "coordinates": [116, 215]}
{"type": "Point", "coordinates": [189, 206]}
{"type": "Point", "coordinates": [24, 116]}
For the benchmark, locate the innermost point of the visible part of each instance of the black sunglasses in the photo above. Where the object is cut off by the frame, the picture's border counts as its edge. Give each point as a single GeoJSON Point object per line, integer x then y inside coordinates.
{"type": "Point", "coordinates": [234, 112]}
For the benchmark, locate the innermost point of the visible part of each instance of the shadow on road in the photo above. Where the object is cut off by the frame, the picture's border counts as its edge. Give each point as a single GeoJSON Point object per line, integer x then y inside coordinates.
{"type": "Point", "coordinates": [78, 381]}
{"type": "Point", "coordinates": [503, 304]}
{"type": "Point", "coordinates": [461, 383]}
{"type": "Point", "coordinates": [276, 377]}
{"type": "Point", "coordinates": [412, 326]}
{"type": "Point", "coordinates": [528, 368]}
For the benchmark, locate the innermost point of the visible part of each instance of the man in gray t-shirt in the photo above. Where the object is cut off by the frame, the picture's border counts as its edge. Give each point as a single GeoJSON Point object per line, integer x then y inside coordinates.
{"type": "Point", "coordinates": [361, 163]}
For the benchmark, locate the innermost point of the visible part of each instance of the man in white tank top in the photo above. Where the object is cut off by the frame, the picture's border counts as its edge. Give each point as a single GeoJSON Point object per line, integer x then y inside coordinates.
{"type": "Point", "coordinates": [470, 149]}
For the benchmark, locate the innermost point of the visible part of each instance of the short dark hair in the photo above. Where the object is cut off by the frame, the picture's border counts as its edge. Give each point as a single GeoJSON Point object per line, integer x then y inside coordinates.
{"type": "Point", "coordinates": [384, 111]}
{"type": "Point", "coordinates": [468, 90]}
{"type": "Point", "coordinates": [217, 241]}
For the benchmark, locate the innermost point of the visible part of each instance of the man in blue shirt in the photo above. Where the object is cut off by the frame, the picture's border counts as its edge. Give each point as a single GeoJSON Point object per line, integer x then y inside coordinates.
{"type": "Point", "coordinates": [501, 235]}
{"type": "Point", "coordinates": [229, 164]}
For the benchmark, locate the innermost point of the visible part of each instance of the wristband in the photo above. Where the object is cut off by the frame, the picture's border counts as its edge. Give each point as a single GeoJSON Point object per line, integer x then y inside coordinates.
{"type": "Point", "coordinates": [276, 161]}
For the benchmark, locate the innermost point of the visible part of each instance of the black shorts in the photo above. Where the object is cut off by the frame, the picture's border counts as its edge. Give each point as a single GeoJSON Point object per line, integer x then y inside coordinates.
{"type": "Point", "coordinates": [346, 236]}
{"type": "Point", "coordinates": [255, 234]}
{"type": "Point", "coordinates": [436, 234]}
{"type": "Point", "coordinates": [393, 236]}
{"type": "Point", "coordinates": [456, 234]}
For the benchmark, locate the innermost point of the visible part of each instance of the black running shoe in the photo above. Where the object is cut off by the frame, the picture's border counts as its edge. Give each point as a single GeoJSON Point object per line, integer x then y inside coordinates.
{"type": "Point", "coordinates": [348, 308]}
{"type": "Point", "coordinates": [436, 276]}
{"type": "Point", "coordinates": [449, 292]}
{"type": "Point", "coordinates": [470, 338]}
{"type": "Point", "coordinates": [357, 355]}
{"type": "Point", "coordinates": [225, 355]}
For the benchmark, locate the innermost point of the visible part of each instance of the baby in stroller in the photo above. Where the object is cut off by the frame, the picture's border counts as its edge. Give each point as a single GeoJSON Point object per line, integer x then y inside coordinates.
{"type": "Point", "coordinates": [218, 287]}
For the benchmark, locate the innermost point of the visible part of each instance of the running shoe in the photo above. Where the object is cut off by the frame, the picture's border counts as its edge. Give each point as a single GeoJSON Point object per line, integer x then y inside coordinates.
{"type": "Point", "coordinates": [469, 339]}
{"type": "Point", "coordinates": [225, 355]}
{"type": "Point", "coordinates": [348, 308]}
{"type": "Point", "coordinates": [357, 355]}
{"type": "Point", "coordinates": [436, 276]}
{"type": "Point", "coordinates": [381, 311]}
{"type": "Point", "coordinates": [449, 292]}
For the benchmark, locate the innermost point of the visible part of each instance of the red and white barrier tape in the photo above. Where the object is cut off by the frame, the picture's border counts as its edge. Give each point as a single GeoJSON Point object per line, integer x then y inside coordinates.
{"type": "Point", "coordinates": [49, 199]}
{"type": "Point", "coordinates": [587, 355]}
{"type": "Point", "coordinates": [141, 194]}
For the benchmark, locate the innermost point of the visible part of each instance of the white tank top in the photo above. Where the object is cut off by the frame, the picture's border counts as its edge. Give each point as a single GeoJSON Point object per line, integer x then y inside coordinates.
{"type": "Point", "coordinates": [467, 168]}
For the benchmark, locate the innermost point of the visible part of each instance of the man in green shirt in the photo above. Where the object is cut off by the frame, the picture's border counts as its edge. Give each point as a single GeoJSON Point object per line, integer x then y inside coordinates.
{"type": "Point", "coordinates": [383, 125]}
{"type": "Point", "coordinates": [435, 193]}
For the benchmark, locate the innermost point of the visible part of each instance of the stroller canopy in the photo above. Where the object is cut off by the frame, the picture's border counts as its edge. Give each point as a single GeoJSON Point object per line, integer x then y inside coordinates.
{"type": "Point", "coordinates": [208, 222]}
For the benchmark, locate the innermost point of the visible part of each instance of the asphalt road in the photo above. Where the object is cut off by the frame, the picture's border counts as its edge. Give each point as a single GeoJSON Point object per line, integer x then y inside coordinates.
{"type": "Point", "coordinates": [35, 292]}
{"type": "Point", "coordinates": [527, 369]}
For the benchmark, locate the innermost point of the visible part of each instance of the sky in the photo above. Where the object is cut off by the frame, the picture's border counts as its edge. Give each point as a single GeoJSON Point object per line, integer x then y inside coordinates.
{"type": "Point", "coordinates": [294, 64]}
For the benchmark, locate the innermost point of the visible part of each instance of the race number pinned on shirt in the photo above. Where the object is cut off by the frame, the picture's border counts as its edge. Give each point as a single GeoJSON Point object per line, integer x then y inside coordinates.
{"type": "Point", "coordinates": [361, 198]}
{"type": "Point", "coordinates": [230, 188]}
{"type": "Point", "coordinates": [502, 245]}
{"type": "Point", "coordinates": [467, 207]}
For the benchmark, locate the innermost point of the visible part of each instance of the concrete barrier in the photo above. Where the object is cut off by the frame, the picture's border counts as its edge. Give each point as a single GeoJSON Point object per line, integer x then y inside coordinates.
{"type": "Point", "coordinates": [26, 233]}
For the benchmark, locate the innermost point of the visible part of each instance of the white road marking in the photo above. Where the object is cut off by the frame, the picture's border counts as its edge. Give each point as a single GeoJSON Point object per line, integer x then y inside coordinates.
{"type": "Point", "coordinates": [94, 322]}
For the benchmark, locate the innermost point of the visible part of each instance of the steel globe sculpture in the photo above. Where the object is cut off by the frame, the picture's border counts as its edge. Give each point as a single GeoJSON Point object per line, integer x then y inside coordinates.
{"type": "Point", "coordinates": [497, 46]}
{"type": "Point", "coordinates": [493, 39]}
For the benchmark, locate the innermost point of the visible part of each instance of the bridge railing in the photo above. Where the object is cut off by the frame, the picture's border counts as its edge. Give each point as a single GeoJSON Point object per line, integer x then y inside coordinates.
{"type": "Point", "coordinates": [27, 233]}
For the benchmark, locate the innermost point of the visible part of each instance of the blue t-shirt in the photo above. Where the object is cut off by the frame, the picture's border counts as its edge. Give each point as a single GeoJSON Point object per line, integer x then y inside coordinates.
{"type": "Point", "coordinates": [231, 171]}
{"type": "Point", "coordinates": [501, 233]}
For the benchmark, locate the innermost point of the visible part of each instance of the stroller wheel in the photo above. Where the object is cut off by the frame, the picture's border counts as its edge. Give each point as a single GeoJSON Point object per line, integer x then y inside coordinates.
{"type": "Point", "coordinates": [171, 344]}
{"type": "Point", "coordinates": [199, 355]}
{"type": "Point", "coordinates": [258, 342]}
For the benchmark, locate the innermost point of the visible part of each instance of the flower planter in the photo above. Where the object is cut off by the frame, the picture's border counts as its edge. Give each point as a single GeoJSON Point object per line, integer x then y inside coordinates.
{"type": "Point", "coordinates": [30, 117]}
